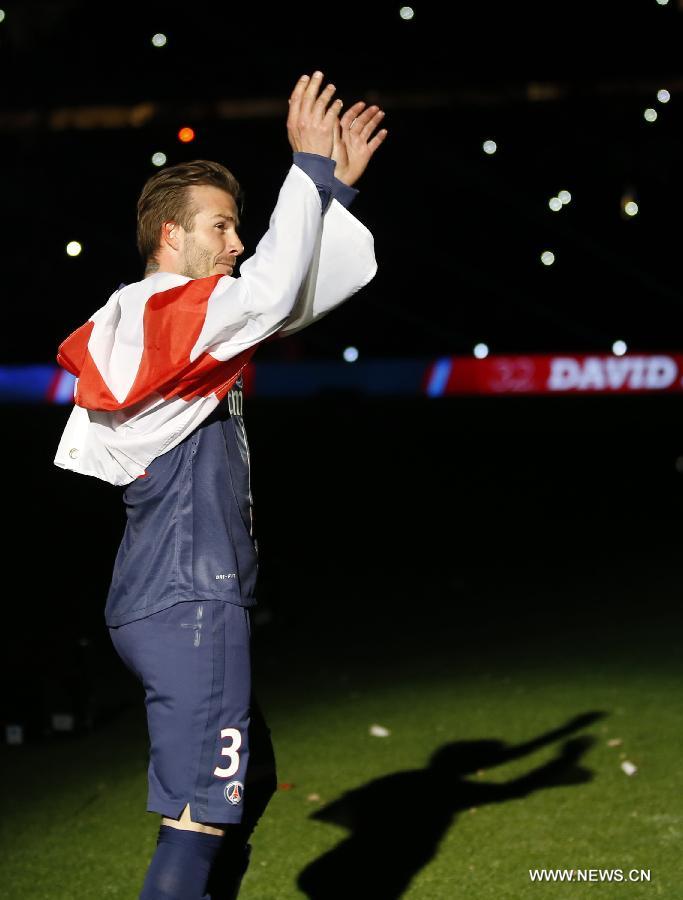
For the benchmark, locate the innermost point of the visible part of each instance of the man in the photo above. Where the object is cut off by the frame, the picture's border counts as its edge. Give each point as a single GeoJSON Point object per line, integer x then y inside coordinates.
{"type": "Point", "coordinates": [158, 408]}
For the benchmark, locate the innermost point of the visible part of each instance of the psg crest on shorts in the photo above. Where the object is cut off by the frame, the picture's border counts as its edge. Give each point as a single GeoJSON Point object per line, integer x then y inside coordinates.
{"type": "Point", "coordinates": [233, 792]}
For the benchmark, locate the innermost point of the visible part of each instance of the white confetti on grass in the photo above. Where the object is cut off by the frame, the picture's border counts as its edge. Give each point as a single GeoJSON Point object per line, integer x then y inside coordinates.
{"type": "Point", "coordinates": [628, 767]}
{"type": "Point", "coordinates": [379, 731]}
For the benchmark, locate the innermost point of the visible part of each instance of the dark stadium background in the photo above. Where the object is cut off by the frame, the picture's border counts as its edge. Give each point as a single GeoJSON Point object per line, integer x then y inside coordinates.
{"type": "Point", "coordinates": [391, 525]}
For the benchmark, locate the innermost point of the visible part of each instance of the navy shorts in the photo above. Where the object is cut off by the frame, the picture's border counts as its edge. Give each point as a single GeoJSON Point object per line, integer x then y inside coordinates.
{"type": "Point", "coordinates": [194, 662]}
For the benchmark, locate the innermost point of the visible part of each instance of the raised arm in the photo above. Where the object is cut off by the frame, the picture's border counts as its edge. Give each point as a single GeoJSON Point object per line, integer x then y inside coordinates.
{"type": "Point", "coordinates": [240, 312]}
{"type": "Point", "coordinates": [344, 259]}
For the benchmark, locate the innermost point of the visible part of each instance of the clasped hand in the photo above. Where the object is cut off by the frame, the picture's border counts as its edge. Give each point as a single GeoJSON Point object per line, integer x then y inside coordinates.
{"type": "Point", "coordinates": [314, 126]}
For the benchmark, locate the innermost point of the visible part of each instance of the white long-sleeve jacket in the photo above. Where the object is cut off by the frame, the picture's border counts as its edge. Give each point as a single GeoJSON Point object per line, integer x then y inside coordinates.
{"type": "Point", "coordinates": [159, 356]}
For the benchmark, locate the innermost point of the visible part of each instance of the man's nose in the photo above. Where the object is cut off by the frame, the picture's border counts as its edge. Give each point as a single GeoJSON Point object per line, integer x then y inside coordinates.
{"type": "Point", "coordinates": [236, 246]}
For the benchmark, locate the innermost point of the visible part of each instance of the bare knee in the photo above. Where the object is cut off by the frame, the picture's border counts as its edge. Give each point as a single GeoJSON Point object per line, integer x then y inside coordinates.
{"type": "Point", "coordinates": [186, 823]}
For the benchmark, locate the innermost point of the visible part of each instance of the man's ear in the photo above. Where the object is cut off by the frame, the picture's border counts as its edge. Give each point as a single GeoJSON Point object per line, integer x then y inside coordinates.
{"type": "Point", "coordinates": [170, 235]}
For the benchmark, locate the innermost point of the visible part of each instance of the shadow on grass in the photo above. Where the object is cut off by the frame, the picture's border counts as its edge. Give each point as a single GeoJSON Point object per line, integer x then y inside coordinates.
{"type": "Point", "coordinates": [398, 821]}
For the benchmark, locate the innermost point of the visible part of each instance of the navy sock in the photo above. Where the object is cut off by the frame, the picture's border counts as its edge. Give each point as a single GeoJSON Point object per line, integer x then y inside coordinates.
{"type": "Point", "coordinates": [181, 864]}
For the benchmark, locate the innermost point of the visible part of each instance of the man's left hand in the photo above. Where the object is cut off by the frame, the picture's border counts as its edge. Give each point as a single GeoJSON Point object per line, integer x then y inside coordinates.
{"type": "Point", "coordinates": [354, 143]}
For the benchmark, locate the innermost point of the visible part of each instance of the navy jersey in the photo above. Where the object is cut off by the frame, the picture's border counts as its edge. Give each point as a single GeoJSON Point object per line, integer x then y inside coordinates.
{"type": "Point", "coordinates": [189, 532]}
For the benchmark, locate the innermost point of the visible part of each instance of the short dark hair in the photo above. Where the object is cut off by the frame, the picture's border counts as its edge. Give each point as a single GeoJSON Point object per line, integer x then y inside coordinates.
{"type": "Point", "coordinates": [165, 198]}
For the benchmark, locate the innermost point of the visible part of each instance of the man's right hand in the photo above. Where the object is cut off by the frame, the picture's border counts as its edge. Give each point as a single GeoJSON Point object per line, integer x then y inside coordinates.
{"type": "Point", "coordinates": [312, 118]}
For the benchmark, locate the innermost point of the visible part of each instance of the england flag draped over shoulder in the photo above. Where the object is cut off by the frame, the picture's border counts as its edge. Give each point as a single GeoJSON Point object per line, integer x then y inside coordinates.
{"type": "Point", "coordinates": [159, 356]}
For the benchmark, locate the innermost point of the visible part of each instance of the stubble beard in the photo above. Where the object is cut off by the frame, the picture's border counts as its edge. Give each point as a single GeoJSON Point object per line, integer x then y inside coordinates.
{"type": "Point", "coordinates": [198, 261]}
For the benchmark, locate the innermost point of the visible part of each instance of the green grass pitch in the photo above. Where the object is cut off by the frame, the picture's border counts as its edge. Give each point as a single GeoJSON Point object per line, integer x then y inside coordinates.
{"type": "Point", "coordinates": [74, 824]}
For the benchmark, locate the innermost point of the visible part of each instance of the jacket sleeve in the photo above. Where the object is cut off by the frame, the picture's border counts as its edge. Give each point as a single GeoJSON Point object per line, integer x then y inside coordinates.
{"type": "Point", "coordinates": [343, 262]}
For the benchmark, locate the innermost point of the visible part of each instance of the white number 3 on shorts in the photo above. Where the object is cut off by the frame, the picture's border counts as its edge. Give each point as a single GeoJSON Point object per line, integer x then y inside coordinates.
{"type": "Point", "coordinates": [231, 752]}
